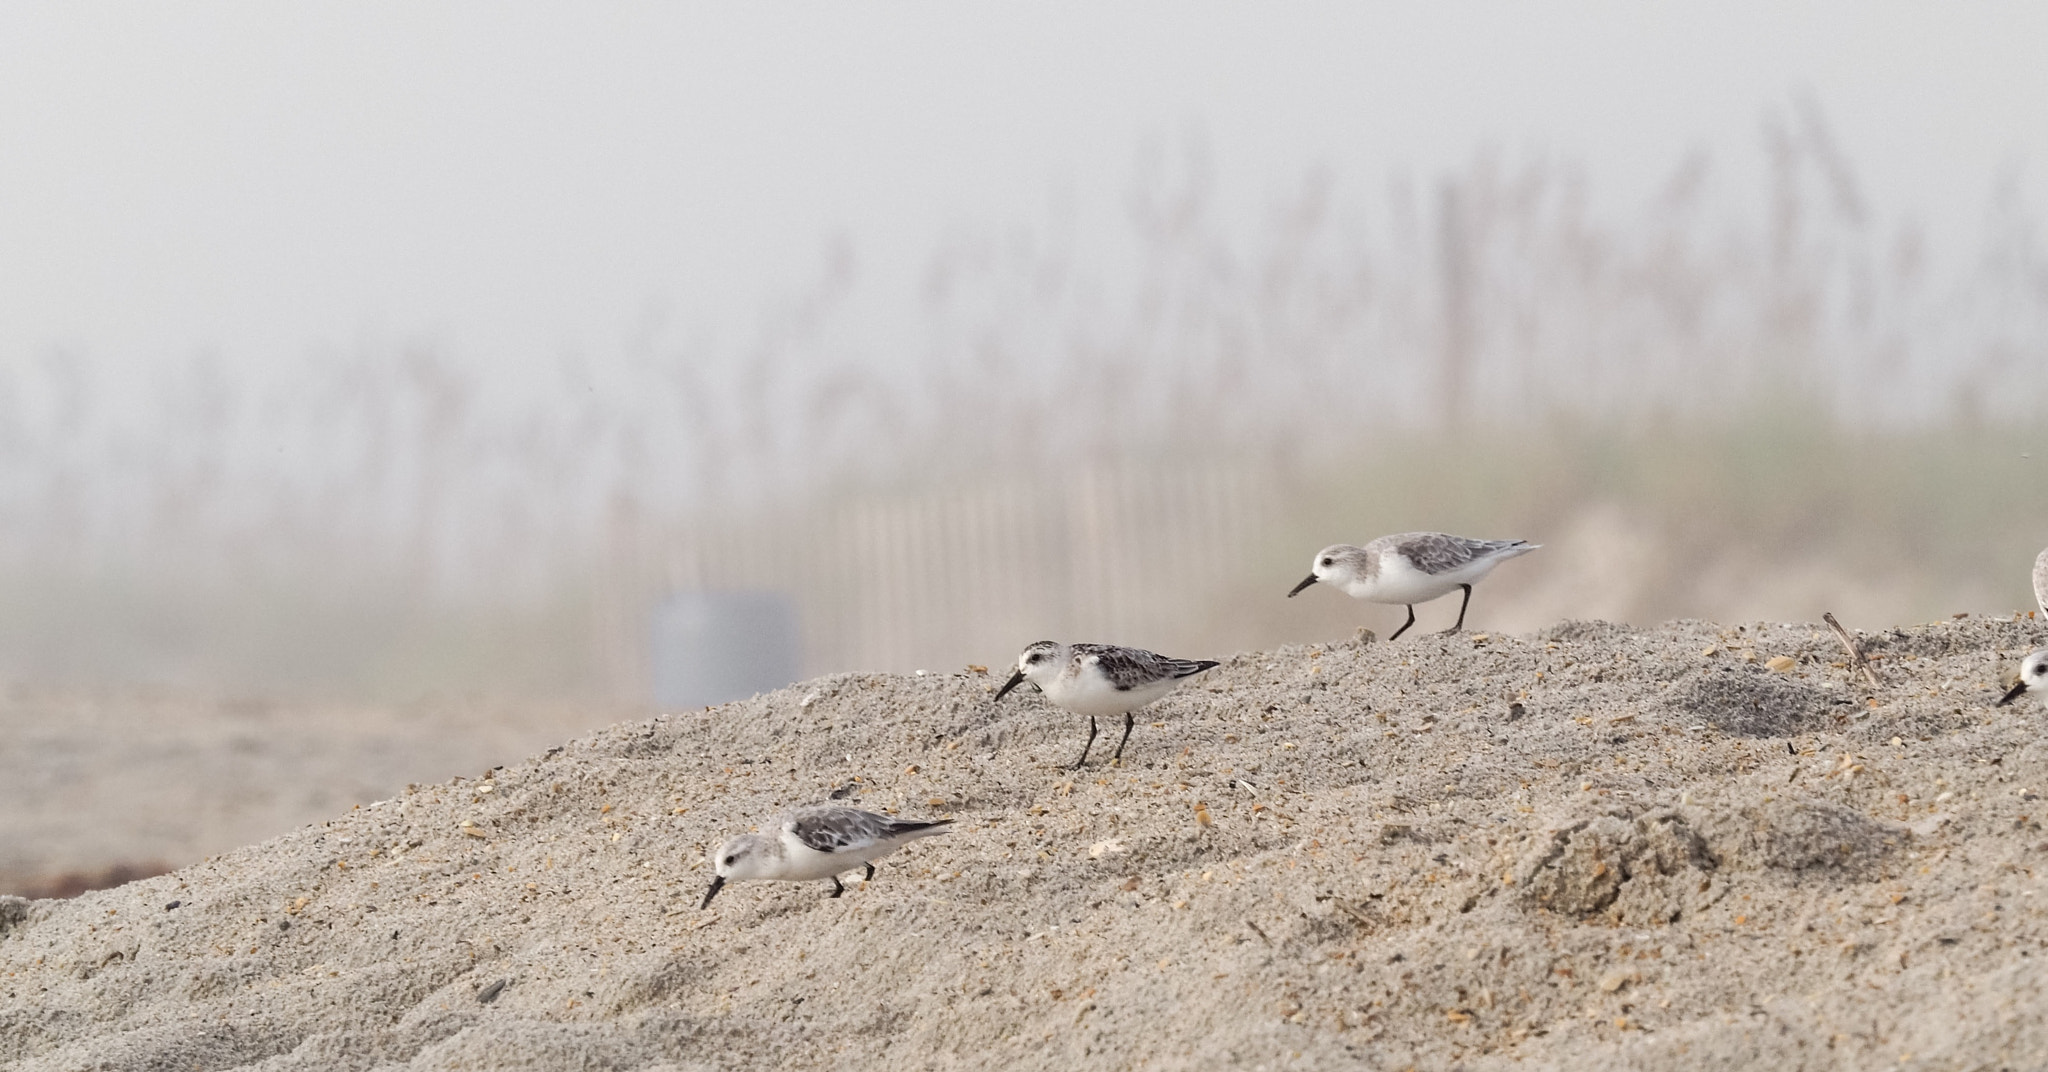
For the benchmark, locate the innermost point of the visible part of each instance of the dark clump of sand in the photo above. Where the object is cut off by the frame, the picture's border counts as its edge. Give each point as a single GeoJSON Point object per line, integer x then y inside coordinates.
{"type": "Point", "coordinates": [1596, 847]}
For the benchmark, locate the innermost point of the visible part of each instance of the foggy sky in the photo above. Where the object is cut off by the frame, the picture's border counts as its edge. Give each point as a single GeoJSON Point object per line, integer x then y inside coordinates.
{"type": "Point", "coordinates": [514, 181]}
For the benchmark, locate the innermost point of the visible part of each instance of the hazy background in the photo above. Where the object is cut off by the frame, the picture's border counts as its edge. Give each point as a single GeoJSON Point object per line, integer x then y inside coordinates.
{"type": "Point", "coordinates": [376, 353]}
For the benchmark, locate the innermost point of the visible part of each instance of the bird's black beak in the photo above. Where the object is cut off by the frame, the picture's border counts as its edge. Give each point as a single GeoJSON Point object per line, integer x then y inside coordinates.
{"type": "Point", "coordinates": [1016, 679]}
{"type": "Point", "coordinates": [2011, 694]}
{"type": "Point", "coordinates": [1311, 579]}
{"type": "Point", "coordinates": [717, 883]}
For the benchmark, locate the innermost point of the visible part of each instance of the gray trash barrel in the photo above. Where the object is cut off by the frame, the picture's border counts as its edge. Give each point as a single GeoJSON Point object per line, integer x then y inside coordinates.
{"type": "Point", "coordinates": [710, 647]}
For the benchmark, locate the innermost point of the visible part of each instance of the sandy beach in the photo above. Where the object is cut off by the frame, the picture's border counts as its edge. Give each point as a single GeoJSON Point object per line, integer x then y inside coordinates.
{"type": "Point", "coordinates": [1693, 846]}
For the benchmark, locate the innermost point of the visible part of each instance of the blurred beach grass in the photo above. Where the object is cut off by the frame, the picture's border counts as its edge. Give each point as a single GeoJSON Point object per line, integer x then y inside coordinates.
{"type": "Point", "coordinates": [1771, 517]}
{"type": "Point", "coordinates": [1762, 404]}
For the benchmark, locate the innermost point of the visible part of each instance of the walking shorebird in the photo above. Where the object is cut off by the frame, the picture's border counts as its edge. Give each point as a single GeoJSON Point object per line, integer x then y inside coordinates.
{"type": "Point", "coordinates": [817, 842]}
{"type": "Point", "coordinates": [1100, 679]}
{"type": "Point", "coordinates": [1411, 568]}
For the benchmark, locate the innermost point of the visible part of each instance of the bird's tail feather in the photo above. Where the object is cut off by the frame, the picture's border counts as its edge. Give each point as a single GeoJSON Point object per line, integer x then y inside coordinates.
{"type": "Point", "coordinates": [935, 826]}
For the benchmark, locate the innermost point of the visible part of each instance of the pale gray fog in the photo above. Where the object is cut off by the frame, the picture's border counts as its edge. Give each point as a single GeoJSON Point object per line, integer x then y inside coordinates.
{"type": "Point", "coordinates": [371, 351]}
{"type": "Point", "coordinates": [419, 420]}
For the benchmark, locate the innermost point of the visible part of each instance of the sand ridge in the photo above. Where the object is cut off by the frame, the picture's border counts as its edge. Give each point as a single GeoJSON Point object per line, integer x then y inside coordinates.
{"type": "Point", "coordinates": [1593, 847]}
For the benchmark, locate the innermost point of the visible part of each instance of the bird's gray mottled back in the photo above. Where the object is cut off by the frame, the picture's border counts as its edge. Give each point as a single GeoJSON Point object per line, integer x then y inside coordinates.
{"type": "Point", "coordinates": [1130, 668]}
{"type": "Point", "coordinates": [1440, 552]}
{"type": "Point", "coordinates": [832, 828]}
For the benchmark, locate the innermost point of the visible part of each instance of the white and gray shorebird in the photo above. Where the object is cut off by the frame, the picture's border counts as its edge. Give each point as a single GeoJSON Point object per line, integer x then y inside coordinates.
{"type": "Point", "coordinates": [2033, 668]}
{"type": "Point", "coordinates": [1411, 568]}
{"type": "Point", "coordinates": [2033, 675]}
{"type": "Point", "coordinates": [821, 841]}
{"type": "Point", "coordinates": [1100, 679]}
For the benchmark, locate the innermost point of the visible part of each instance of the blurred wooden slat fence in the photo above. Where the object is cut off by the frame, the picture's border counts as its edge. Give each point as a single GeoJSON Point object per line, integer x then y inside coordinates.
{"type": "Point", "coordinates": [963, 577]}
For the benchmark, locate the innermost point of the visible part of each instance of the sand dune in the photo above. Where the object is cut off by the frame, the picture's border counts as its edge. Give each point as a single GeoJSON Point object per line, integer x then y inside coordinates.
{"type": "Point", "coordinates": [1590, 848]}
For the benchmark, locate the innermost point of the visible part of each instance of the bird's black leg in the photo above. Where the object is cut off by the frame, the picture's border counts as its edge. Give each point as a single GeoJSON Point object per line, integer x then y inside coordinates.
{"type": "Point", "coordinates": [837, 889]}
{"type": "Point", "coordinates": [1086, 747]}
{"type": "Point", "coordinates": [1404, 625]}
{"type": "Point", "coordinates": [1127, 736]}
{"type": "Point", "coordinates": [1461, 609]}
{"type": "Point", "coordinates": [871, 874]}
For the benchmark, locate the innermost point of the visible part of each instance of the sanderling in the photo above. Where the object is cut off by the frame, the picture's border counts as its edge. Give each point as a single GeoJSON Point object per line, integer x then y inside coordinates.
{"type": "Point", "coordinates": [1100, 679]}
{"type": "Point", "coordinates": [1411, 568]}
{"type": "Point", "coordinates": [821, 841]}
{"type": "Point", "coordinates": [2033, 675]}
{"type": "Point", "coordinates": [2041, 582]}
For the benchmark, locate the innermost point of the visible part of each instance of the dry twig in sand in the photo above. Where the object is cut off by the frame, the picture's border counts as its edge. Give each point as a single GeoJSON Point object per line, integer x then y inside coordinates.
{"type": "Point", "coordinates": [1856, 658]}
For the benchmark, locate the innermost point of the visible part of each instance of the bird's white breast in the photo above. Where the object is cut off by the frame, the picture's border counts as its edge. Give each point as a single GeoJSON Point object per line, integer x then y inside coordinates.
{"type": "Point", "coordinates": [1085, 690]}
{"type": "Point", "coordinates": [1398, 581]}
{"type": "Point", "coordinates": [806, 863]}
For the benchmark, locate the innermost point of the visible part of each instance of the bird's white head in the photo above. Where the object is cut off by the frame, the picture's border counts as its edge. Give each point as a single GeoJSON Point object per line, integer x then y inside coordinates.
{"type": "Point", "coordinates": [1339, 564]}
{"type": "Point", "coordinates": [2033, 677]}
{"type": "Point", "coordinates": [744, 857]}
{"type": "Point", "coordinates": [1038, 664]}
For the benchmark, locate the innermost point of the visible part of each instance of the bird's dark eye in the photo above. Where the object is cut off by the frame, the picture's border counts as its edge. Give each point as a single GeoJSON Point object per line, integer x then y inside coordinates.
{"type": "Point", "coordinates": [1328, 562]}
{"type": "Point", "coordinates": [730, 860]}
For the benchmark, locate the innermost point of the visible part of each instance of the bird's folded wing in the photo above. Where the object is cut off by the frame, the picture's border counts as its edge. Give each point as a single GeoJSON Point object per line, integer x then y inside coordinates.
{"type": "Point", "coordinates": [838, 829]}
{"type": "Point", "coordinates": [1129, 668]}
